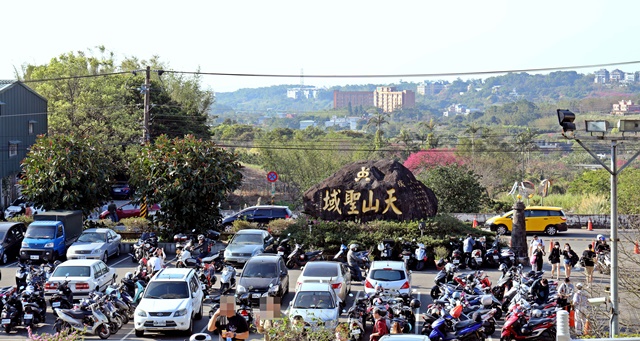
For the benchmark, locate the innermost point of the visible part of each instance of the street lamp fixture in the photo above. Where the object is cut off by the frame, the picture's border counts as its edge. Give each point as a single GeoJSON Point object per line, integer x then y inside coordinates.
{"type": "Point", "coordinates": [629, 126]}
{"type": "Point", "coordinates": [597, 126]}
{"type": "Point", "coordinates": [566, 118]}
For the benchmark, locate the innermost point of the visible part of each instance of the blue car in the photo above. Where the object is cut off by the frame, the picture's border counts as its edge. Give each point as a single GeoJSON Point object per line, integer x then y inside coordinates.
{"type": "Point", "coordinates": [121, 190]}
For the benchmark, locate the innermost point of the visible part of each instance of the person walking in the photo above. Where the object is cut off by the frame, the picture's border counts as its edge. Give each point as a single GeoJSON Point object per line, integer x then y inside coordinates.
{"type": "Point", "coordinates": [568, 256]}
{"type": "Point", "coordinates": [467, 248]}
{"type": "Point", "coordinates": [113, 211]}
{"type": "Point", "coordinates": [565, 293]}
{"type": "Point", "coordinates": [379, 327]}
{"type": "Point", "coordinates": [580, 305]}
{"type": "Point", "coordinates": [554, 259]}
{"type": "Point", "coordinates": [534, 245]}
{"type": "Point", "coordinates": [539, 255]}
{"type": "Point", "coordinates": [588, 260]}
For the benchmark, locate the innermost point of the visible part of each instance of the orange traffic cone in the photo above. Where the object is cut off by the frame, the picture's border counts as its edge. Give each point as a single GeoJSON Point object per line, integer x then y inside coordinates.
{"type": "Point", "coordinates": [475, 222]}
{"type": "Point", "coordinates": [636, 249]}
{"type": "Point", "coordinates": [590, 225]}
{"type": "Point", "coordinates": [551, 245]}
{"type": "Point", "coordinates": [587, 326]}
{"type": "Point", "coordinates": [572, 318]}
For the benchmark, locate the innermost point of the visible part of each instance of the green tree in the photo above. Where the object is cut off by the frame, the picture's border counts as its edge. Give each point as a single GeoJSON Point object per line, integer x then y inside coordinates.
{"type": "Point", "coordinates": [188, 178]}
{"type": "Point", "coordinates": [378, 120]}
{"type": "Point", "coordinates": [67, 172]}
{"type": "Point", "coordinates": [457, 188]}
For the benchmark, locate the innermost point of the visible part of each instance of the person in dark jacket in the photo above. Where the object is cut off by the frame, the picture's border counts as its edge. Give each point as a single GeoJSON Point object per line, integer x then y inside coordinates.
{"type": "Point", "coordinates": [568, 253]}
{"type": "Point", "coordinates": [554, 259]}
{"type": "Point", "coordinates": [589, 257]}
{"type": "Point", "coordinates": [540, 290]}
{"type": "Point", "coordinates": [539, 254]}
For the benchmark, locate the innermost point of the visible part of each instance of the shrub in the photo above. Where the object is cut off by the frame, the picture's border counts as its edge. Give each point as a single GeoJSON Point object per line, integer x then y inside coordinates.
{"type": "Point", "coordinates": [65, 335]}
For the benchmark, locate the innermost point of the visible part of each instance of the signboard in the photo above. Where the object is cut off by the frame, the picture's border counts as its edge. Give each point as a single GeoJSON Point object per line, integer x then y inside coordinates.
{"type": "Point", "coordinates": [272, 176]}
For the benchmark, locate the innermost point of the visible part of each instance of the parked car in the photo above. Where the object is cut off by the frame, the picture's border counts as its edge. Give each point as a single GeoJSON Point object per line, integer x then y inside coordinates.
{"type": "Point", "coordinates": [121, 190]}
{"type": "Point", "coordinates": [172, 300]}
{"type": "Point", "coordinates": [335, 273]}
{"type": "Point", "coordinates": [390, 275]}
{"type": "Point", "coordinates": [18, 205]}
{"type": "Point", "coordinates": [98, 243]}
{"type": "Point", "coordinates": [317, 304]}
{"type": "Point", "coordinates": [84, 276]}
{"type": "Point", "coordinates": [246, 244]}
{"type": "Point", "coordinates": [130, 210]}
{"type": "Point", "coordinates": [264, 275]}
{"type": "Point", "coordinates": [548, 219]}
{"type": "Point", "coordinates": [261, 215]}
{"type": "Point", "coordinates": [11, 236]}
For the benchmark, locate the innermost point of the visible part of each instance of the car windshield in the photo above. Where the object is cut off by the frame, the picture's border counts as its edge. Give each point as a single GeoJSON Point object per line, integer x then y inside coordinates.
{"type": "Point", "coordinates": [167, 290]}
{"type": "Point", "coordinates": [313, 300]}
{"type": "Point", "coordinates": [92, 237]}
{"type": "Point", "coordinates": [508, 214]}
{"type": "Point", "coordinates": [320, 270]}
{"type": "Point", "coordinates": [247, 239]}
{"type": "Point", "coordinates": [259, 270]}
{"type": "Point", "coordinates": [387, 275]}
{"type": "Point", "coordinates": [18, 202]}
{"type": "Point", "coordinates": [72, 271]}
{"type": "Point", "coordinates": [40, 232]}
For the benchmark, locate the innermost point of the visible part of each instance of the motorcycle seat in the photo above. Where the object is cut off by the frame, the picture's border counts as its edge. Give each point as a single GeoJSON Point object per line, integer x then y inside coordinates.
{"type": "Point", "coordinates": [209, 259]}
{"type": "Point", "coordinates": [537, 321]}
{"type": "Point", "coordinates": [312, 253]}
{"type": "Point", "coordinates": [463, 324]}
{"type": "Point", "coordinates": [77, 314]}
{"type": "Point", "coordinates": [442, 302]}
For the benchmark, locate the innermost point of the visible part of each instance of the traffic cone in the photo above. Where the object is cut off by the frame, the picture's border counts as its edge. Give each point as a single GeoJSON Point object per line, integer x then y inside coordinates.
{"type": "Point", "coordinates": [636, 249]}
{"type": "Point", "coordinates": [475, 222]}
{"type": "Point", "coordinates": [590, 225]}
{"type": "Point", "coordinates": [572, 318]}
{"type": "Point", "coordinates": [551, 245]}
{"type": "Point", "coordinates": [587, 326]}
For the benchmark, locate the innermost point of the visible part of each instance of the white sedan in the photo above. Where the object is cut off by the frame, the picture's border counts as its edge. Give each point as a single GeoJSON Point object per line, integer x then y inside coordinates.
{"type": "Point", "coordinates": [84, 276]}
{"type": "Point", "coordinates": [334, 273]}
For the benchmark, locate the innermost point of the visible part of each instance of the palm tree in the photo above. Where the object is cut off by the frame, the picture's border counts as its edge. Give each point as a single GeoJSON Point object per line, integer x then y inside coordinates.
{"type": "Point", "coordinates": [473, 130]}
{"type": "Point", "coordinates": [377, 120]}
{"type": "Point", "coordinates": [429, 137]}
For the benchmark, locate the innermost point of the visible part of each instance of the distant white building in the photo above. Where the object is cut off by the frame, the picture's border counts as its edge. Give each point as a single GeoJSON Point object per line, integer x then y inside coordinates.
{"type": "Point", "coordinates": [307, 123]}
{"type": "Point", "coordinates": [307, 93]}
{"type": "Point", "coordinates": [342, 122]}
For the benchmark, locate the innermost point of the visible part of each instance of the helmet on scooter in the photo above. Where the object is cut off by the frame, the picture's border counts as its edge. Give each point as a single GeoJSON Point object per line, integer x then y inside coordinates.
{"type": "Point", "coordinates": [353, 247]}
{"type": "Point", "coordinates": [415, 303]}
{"type": "Point", "coordinates": [536, 313]}
{"type": "Point", "coordinates": [470, 278]}
{"type": "Point", "coordinates": [201, 237]}
{"type": "Point", "coordinates": [128, 275]}
{"type": "Point", "coordinates": [502, 267]}
{"type": "Point", "coordinates": [456, 295]}
{"type": "Point", "coordinates": [600, 237]}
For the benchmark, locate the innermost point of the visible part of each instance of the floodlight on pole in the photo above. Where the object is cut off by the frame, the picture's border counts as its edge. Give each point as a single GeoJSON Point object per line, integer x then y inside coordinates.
{"type": "Point", "coordinates": [565, 119]}
{"type": "Point", "coordinates": [596, 126]}
{"type": "Point", "coordinates": [629, 126]}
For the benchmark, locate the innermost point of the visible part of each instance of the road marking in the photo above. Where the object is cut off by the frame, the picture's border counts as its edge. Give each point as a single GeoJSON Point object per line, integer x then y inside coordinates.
{"type": "Point", "coordinates": [120, 261]}
{"type": "Point", "coordinates": [127, 336]}
{"type": "Point", "coordinates": [10, 265]}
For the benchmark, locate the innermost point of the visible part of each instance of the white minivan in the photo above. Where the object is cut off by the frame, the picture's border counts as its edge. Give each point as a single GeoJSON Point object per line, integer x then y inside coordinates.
{"type": "Point", "coordinates": [171, 301]}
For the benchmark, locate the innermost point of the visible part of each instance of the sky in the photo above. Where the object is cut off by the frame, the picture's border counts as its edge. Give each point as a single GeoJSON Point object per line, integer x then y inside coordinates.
{"type": "Point", "coordinates": [326, 37]}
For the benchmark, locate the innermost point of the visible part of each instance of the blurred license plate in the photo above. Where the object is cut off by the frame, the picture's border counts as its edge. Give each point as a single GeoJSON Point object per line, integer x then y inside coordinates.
{"type": "Point", "coordinates": [6, 321]}
{"type": "Point", "coordinates": [478, 259]}
{"type": "Point", "coordinates": [159, 323]}
{"type": "Point", "coordinates": [495, 257]}
{"type": "Point", "coordinates": [355, 331]}
{"type": "Point", "coordinates": [82, 257]}
{"type": "Point", "coordinates": [456, 261]}
{"type": "Point", "coordinates": [280, 253]}
{"type": "Point", "coordinates": [35, 257]}
{"type": "Point", "coordinates": [255, 295]}
{"type": "Point", "coordinates": [406, 257]}
{"type": "Point", "coordinates": [55, 304]}
{"type": "Point", "coordinates": [28, 316]}
{"type": "Point", "coordinates": [117, 190]}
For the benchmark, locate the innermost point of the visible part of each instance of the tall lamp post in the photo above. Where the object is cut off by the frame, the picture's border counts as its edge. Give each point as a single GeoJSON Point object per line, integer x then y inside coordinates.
{"type": "Point", "coordinates": [566, 120]}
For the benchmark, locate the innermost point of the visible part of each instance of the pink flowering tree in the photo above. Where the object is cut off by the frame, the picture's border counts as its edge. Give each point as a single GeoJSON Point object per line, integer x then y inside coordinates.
{"type": "Point", "coordinates": [427, 159]}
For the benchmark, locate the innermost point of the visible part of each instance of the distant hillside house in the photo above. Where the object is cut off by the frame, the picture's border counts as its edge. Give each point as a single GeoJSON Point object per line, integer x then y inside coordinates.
{"type": "Point", "coordinates": [23, 116]}
{"type": "Point", "coordinates": [601, 77]}
{"type": "Point", "coordinates": [342, 122]}
{"type": "Point", "coordinates": [389, 99]}
{"type": "Point", "coordinates": [341, 99]}
{"type": "Point", "coordinates": [617, 75]}
{"type": "Point", "coordinates": [431, 88]}
{"type": "Point", "coordinates": [297, 93]}
{"type": "Point", "coordinates": [625, 108]}
{"type": "Point", "coordinates": [307, 123]}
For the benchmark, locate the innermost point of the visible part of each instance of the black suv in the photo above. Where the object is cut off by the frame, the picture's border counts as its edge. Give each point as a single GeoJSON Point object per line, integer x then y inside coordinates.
{"type": "Point", "coordinates": [261, 215]}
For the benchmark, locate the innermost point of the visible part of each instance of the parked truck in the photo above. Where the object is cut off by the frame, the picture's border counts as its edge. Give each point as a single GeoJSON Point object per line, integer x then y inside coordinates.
{"type": "Point", "coordinates": [50, 234]}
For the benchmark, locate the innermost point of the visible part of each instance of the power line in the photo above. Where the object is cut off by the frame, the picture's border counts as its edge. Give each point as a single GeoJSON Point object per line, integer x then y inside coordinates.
{"type": "Point", "coordinates": [75, 77]}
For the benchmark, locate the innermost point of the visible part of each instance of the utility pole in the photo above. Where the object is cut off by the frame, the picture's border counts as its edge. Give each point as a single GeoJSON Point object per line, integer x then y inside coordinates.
{"type": "Point", "coordinates": [146, 88]}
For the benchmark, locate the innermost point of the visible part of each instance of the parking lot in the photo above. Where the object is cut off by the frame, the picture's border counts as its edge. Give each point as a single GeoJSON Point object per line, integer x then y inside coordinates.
{"type": "Point", "coordinates": [421, 281]}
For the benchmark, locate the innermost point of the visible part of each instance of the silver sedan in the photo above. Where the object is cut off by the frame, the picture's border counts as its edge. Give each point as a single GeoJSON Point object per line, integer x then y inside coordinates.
{"type": "Point", "coordinates": [97, 243]}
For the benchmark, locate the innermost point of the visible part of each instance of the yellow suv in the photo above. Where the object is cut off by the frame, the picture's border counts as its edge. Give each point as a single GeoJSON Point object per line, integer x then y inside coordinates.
{"type": "Point", "coordinates": [550, 220]}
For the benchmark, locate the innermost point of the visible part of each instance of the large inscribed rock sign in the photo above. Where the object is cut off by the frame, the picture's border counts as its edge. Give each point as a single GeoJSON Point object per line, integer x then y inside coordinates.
{"type": "Point", "coordinates": [371, 190]}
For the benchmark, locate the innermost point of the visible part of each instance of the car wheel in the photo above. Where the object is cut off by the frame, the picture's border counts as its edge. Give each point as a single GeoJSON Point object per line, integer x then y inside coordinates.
{"type": "Point", "coordinates": [502, 229]}
{"type": "Point", "coordinates": [228, 228]}
{"type": "Point", "coordinates": [199, 314]}
{"type": "Point", "coordinates": [118, 251]}
{"type": "Point", "coordinates": [4, 258]}
{"type": "Point", "coordinates": [190, 330]}
{"type": "Point", "coordinates": [139, 333]}
{"type": "Point", "coordinates": [551, 230]}
{"type": "Point", "coordinates": [105, 257]}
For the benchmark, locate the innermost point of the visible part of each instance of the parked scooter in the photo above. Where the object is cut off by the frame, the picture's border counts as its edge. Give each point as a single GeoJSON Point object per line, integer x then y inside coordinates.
{"type": "Point", "coordinates": [386, 249]}
{"type": "Point", "coordinates": [408, 253]}
{"type": "Point", "coordinates": [284, 249]}
{"type": "Point", "coordinates": [444, 276]}
{"type": "Point", "coordinates": [11, 315]}
{"type": "Point", "coordinates": [421, 257]}
{"type": "Point", "coordinates": [227, 279]}
{"type": "Point", "coordinates": [89, 320]}
{"type": "Point", "coordinates": [299, 258]}
{"type": "Point", "coordinates": [63, 298]}
{"type": "Point", "coordinates": [34, 307]}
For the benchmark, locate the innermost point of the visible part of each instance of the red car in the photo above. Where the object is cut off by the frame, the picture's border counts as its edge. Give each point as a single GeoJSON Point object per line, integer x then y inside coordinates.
{"type": "Point", "coordinates": [130, 210]}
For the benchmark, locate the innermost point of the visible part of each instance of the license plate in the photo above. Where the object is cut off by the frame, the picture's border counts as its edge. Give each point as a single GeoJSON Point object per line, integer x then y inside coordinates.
{"type": "Point", "coordinates": [159, 323]}
{"type": "Point", "coordinates": [456, 261]}
{"type": "Point", "coordinates": [280, 253]}
{"type": "Point", "coordinates": [6, 321]}
{"type": "Point", "coordinates": [28, 316]}
{"type": "Point", "coordinates": [255, 295]}
{"type": "Point", "coordinates": [478, 259]}
{"type": "Point", "coordinates": [495, 257]}
{"type": "Point", "coordinates": [355, 331]}
{"type": "Point", "coordinates": [406, 257]}
{"type": "Point", "coordinates": [35, 257]}
{"type": "Point", "coordinates": [117, 190]}
{"type": "Point", "coordinates": [55, 304]}
{"type": "Point", "coordinates": [81, 257]}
